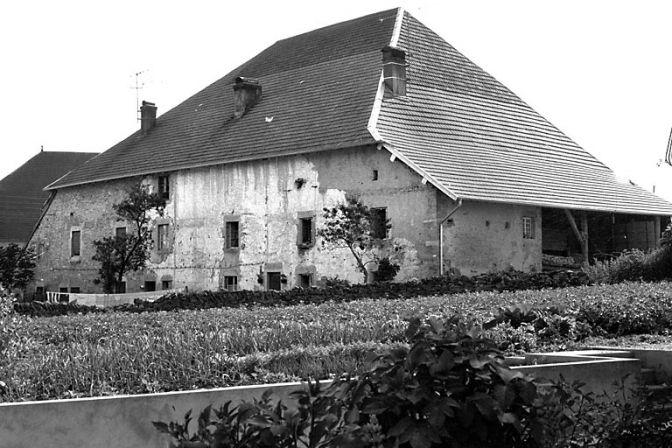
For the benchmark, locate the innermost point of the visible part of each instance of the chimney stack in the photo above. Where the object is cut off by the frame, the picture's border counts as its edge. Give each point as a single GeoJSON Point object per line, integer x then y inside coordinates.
{"type": "Point", "coordinates": [394, 70]}
{"type": "Point", "coordinates": [147, 117]}
{"type": "Point", "coordinates": [246, 93]}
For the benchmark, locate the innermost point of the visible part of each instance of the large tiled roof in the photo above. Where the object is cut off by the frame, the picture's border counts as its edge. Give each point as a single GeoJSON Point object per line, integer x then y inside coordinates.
{"type": "Point", "coordinates": [457, 126]}
{"type": "Point", "coordinates": [22, 192]}
{"type": "Point", "coordinates": [318, 91]}
{"type": "Point", "coordinates": [479, 141]}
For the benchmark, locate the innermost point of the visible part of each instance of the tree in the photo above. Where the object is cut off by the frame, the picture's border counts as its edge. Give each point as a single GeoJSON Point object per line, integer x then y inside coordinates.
{"type": "Point", "coordinates": [17, 266]}
{"type": "Point", "coordinates": [120, 254]}
{"type": "Point", "coordinates": [357, 227]}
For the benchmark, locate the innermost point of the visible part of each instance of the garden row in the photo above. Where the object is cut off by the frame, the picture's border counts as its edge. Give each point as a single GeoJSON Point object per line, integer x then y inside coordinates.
{"type": "Point", "coordinates": [126, 353]}
{"type": "Point", "coordinates": [338, 292]}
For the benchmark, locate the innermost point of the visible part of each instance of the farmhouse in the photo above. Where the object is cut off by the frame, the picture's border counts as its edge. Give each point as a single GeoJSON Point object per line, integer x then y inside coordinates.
{"type": "Point", "coordinates": [22, 194]}
{"type": "Point", "coordinates": [380, 107]}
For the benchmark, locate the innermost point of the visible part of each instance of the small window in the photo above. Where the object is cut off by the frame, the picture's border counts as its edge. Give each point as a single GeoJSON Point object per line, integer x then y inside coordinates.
{"type": "Point", "coordinates": [374, 175]}
{"type": "Point", "coordinates": [379, 224]}
{"type": "Point", "coordinates": [39, 290]}
{"type": "Point", "coordinates": [305, 280]}
{"type": "Point", "coordinates": [164, 187]}
{"type": "Point", "coordinates": [306, 229]}
{"type": "Point", "coordinates": [232, 241]}
{"type": "Point", "coordinates": [528, 227]}
{"type": "Point", "coordinates": [274, 281]}
{"type": "Point", "coordinates": [63, 289]}
{"type": "Point", "coordinates": [162, 237]}
{"type": "Point", "coordinates": [74, 289]}
{"type": "Point", "coordinates": [231, 283]}
{"type": "Point", "coordinates": [150, 286]}
{"type": "Point", "coordinates": [120, 232]}
{"type": "Point", "coordinates": [75, 243]}
{"type": "Point", "coordinates": [166, 284]}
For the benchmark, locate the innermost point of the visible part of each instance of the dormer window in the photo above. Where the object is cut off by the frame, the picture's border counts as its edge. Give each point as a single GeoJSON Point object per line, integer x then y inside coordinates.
{"type": "Point", "coordinates": [394, 70]}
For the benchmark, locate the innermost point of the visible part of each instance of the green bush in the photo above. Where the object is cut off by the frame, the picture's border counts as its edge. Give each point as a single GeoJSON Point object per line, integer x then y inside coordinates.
{"type": "Point", "coordinates": [634, 265]}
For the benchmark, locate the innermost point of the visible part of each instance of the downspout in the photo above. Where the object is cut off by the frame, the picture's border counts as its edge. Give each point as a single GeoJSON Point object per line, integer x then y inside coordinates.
{"type": "Point", "coordinates": [451, 213]}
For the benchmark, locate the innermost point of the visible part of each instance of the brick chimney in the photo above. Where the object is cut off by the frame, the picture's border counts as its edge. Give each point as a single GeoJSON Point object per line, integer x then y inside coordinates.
{"type": "Point", "coordinates": [246, 93]}
{"type": "Point", "coordinates": [394, 70]}
{"type": "Point", "coordinates": [147, 117]}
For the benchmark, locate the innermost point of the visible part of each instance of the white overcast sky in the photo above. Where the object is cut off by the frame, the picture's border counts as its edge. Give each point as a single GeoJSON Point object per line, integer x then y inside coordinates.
{"type": "Point", "coordinates": [599, 70]}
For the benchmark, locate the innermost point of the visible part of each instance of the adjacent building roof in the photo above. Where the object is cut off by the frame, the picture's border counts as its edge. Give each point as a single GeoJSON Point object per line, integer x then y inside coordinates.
{"type": "Point", "coordinates": [456, 125]}
{"type": "Point", "coordinates": [22, 192]}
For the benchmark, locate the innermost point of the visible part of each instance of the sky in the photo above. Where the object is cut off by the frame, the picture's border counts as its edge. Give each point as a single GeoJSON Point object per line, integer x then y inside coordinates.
{"type": "Point", "coordinates": [599, 70]}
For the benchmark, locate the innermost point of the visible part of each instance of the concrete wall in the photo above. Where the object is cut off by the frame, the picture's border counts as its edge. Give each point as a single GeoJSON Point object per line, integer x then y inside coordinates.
{"type": "Point", "coordinates": [488, 237]}
{"type": "Point", "coordinates": [126, 421]}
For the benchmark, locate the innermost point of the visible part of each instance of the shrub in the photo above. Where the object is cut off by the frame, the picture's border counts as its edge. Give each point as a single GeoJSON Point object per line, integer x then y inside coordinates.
{"type": "Point", "coordinates": [386, 270]}
{"type": "Point", "coordinates": [633, 265]}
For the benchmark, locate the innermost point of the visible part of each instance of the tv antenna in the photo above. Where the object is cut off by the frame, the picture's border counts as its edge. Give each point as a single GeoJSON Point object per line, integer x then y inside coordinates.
{"type": "Point", "coordinates": [137, 87]}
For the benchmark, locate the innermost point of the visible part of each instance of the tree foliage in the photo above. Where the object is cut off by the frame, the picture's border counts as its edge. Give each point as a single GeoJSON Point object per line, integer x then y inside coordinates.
{"type": "Point", "coordinates": [17, 266]}
{"type": "Point", "coordinates": [120, 254]}
{"type": "Point", "coordinates": [353, 225]}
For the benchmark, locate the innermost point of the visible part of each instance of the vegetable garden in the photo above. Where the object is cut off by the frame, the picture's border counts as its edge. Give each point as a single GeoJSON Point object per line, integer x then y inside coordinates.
{"type": "Point", "coordinates": [129, 353]}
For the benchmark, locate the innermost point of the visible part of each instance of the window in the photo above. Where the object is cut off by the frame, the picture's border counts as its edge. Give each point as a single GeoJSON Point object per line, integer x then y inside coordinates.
{"type": "Point", "coordinates": [166, 284]}
{"type": "Point", "coordinates": [374, 175]}
{"type": "Point", "coordinates": [274, 281]}
{"type": "Point", "coordinates": [120, 232]}
{"type": "Point", "coordinates": [528, 227]}
{"type": "Point", "coordinates": [150, 286]}
{"type": "Point", "coordinates": [232, 240]}
{"type": "Point", "coordinates": [394, 70]}
{"type": "Point", "coordinates": [162, 237]}
{"type": "Point", "coordinates": [164, 187]}
{"type": "Point", "coordinates": [305, 280]}
{"type": "Point", "coordinates": [74, 289]}
{"type": "Point", "coordinates": [75, 243]}
{"type": "Point", "coordinates": [231, 283]}
{"type": "Point", "coordinates": [379, 224]}
{"type": "Point", "coordinates": [306, 231]}
{"type": "Point", "coordinates": [120, 288]}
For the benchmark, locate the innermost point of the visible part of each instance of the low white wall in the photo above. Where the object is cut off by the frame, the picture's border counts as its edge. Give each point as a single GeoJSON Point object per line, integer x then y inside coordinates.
{"type": "Point", "coordinates": [126, 421]}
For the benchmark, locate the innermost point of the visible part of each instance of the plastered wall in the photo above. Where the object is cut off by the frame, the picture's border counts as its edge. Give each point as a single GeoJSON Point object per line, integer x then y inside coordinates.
{"type": "Point", "coordinates": [267, 198]}
{"type": "Point", "coordinates": [488, 237]}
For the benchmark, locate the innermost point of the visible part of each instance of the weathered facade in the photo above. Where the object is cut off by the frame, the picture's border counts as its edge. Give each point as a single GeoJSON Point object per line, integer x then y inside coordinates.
{"type": "Point", "coordinates": [379, 107]}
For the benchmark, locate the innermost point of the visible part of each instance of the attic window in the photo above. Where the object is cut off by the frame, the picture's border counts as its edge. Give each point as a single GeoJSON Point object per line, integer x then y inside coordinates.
{"type": "Point", "coordinates": [394, 70]}
{"type": "Point", "coordinates": [164, 187]}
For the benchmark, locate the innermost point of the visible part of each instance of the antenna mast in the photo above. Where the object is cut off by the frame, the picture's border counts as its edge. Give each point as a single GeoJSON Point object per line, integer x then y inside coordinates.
{"type": "Point", "coordinates": [668, 153]}
{"type": "Point", "coordinates": [137, 96]}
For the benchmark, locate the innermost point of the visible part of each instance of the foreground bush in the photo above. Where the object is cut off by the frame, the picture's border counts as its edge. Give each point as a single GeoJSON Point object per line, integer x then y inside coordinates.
{"type": "Point", "coordinates": [449, 389]}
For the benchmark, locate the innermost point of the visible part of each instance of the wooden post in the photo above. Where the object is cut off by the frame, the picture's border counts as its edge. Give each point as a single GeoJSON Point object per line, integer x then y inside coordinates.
{"type": "Point", "coordinates": [581, 235]}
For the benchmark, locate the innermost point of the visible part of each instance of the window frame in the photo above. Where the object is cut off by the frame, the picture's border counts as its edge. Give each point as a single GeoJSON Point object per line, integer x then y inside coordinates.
{"type": "Point", "coordinates": [78, 232]}
{"type": "Point", "coordinates": [229, 239]}
{"type": "Point", "coordinates": [231, 286]}
{"type": "Point", "coordinates": [529, 228]}
{"type": "Point", "coordinates": [163, 187]}
{"type": "Point", "coordinates": [163, 237]}
{"type": "Point", "coordinates": [305, 230]}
